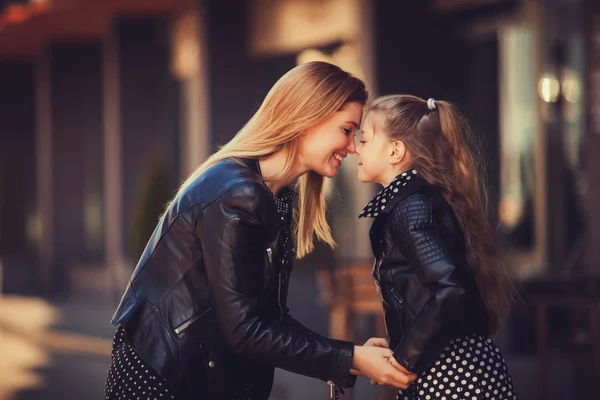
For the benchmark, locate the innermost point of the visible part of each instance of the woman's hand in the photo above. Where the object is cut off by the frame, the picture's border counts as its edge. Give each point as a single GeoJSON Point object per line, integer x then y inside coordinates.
{"type": "Point", "coordinates": [379, 365]}
{"type": "Point", "coordinates": [372, 342]}
{"type": "Point", "coordinates": [382, 342]}
{"type": "Point", "coordinates": [377, 342]}
{"type": "Point", "coordinates": [399, 366]}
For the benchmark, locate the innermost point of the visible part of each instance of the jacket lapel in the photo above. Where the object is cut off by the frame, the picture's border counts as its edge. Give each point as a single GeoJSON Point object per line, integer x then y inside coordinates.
{"type": "Point", "coordinates": [377, 228]}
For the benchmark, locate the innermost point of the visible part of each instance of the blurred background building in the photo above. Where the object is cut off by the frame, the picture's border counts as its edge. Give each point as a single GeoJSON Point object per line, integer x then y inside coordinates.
{"type": "Point", "coordinates": [106, 105]}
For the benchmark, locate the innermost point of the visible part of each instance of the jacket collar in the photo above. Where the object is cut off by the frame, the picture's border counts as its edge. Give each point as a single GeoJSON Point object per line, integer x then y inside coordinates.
{"type": "Point", "coordinates": [403, 185]}
{"type": "Point", "coordinates": [250, 163]}
{"type": "Point", "coordinates": [286, 194]}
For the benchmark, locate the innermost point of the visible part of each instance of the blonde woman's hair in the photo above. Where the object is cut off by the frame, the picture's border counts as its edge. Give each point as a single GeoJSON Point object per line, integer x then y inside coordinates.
{"type": "Point", "coordinates": [302, 98]}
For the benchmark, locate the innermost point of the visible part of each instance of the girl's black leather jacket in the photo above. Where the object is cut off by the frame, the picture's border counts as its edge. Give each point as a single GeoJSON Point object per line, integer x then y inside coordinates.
{"type": "Point", "coordinates": [428, 290]}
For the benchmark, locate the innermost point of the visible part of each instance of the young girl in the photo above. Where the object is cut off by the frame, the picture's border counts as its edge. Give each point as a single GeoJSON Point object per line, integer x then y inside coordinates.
{"type": "Point", "coordinates": [443, 285]}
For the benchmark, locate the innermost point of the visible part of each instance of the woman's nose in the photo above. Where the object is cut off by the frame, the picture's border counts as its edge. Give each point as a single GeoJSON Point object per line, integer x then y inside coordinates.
{"type": "Point", "coordinates": [351, 146]}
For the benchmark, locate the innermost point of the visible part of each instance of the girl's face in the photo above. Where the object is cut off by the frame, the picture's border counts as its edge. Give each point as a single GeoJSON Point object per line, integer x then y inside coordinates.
{"type": "Point", "coordinates": [374, 153]}
{"type": "Point", "coordinates": [324, 146]}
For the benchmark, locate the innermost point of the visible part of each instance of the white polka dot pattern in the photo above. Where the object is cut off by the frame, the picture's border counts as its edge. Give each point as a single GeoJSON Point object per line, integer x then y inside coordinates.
{"type": "Point", "coordinates": [130, 378]}
{"type": "Point", "coordinates": [382, 199]}
{"type": "Point", "coordinates": [285, 202]}
{"type": "Point", "coordinates": [470, 368]}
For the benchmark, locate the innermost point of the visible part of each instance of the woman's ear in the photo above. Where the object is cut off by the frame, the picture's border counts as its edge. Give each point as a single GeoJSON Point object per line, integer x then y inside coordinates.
{"type": "Point", "coordinates": [398, 152]}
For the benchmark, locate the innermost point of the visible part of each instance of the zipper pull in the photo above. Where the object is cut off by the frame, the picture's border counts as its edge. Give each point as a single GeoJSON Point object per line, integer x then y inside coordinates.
{"type": "Point", "coordinates": [279, 288]}
{"type": "Point", "coordinates": [270, 255]}
{"type": "Point", "coordinates": [334, 393]}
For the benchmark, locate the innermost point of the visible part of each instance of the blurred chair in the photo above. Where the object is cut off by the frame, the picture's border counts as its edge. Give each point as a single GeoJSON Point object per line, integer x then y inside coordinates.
{"type": "Point", "coordinates": [576, 293]}
{"type": "Point", "coordinates": [349, 291]}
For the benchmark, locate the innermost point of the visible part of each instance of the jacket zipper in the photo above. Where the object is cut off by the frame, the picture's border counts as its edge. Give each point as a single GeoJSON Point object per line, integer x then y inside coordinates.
{"type": "Point", "coordinates": [378, 279]}
{"type": "Point", "coordinates": [378, 262]}
{"type": "Point", "coordinates": [190, 321]}
{"type": "Point", "coordinates": [279, 283]}
{"type": "Point", "coordinates": [403, 303]}
{"type": "Point", "coordinates": [398, 298]}
{"type": "Point", "coordinates": [334, 391]}
{"type": "Point", "coordinates": [279, 295]}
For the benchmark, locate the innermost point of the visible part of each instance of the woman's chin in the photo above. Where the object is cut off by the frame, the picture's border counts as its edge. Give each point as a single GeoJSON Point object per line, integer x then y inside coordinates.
{"type": "Point", "coordinates": [330, 173]}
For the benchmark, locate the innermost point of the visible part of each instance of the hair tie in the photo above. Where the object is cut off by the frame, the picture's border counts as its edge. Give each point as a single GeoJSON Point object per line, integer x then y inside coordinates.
{"type": "Point", "coordinates": [431, 104]}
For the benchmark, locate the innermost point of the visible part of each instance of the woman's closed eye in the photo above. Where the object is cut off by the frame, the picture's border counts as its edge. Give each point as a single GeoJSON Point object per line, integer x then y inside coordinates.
{"type": "Point", "coordinates": [347, 131]}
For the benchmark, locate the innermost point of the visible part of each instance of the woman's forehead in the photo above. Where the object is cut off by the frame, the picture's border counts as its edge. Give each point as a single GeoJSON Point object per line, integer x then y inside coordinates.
{"type": "Point", "coordinates": [352, 112]}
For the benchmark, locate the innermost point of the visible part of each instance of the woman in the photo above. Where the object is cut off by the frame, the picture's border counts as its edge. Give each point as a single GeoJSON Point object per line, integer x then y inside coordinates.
{"type": "Point", "coordinates": [205, 315]}
{"type": "Point", "coordinates": [443, 285]}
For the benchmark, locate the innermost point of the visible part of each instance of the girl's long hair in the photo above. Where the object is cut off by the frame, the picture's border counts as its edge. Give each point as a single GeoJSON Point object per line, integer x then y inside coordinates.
{"type": "Point", "coordinates": [445, 154]}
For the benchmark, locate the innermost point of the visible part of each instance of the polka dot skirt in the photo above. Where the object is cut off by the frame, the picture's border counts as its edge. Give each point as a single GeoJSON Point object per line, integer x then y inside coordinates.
{"type": "Point", "coordinates": [130, 378]}
{"type": "Point", "coordinates": [470, 368]}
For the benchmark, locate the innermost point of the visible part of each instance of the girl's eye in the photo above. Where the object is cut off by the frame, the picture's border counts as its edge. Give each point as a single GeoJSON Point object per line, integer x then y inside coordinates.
{"type": "Point", "coordinates": [362, 141]}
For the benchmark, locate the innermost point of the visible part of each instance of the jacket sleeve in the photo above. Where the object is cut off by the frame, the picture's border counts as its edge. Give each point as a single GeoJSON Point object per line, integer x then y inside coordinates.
{"type": "Point", "coordinates": [416, 227]}
{"type": "Point", "coordinates": [234, 246]}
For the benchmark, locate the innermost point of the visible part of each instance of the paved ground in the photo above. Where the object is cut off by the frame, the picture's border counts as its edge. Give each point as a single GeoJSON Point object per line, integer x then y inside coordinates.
{"type": "Point", "coordinates": [60, 350]}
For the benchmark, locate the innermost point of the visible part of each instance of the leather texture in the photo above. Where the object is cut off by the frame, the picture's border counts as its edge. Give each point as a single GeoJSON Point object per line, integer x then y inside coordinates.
{"type": "Point", "coordinates": [429, 292]}
{"type": "Point", "coordinates": [206, 301]}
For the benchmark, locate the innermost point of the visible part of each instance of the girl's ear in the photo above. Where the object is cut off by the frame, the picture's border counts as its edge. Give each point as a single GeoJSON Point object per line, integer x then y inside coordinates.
{"type": "Point", "coordinates": [397, 152]}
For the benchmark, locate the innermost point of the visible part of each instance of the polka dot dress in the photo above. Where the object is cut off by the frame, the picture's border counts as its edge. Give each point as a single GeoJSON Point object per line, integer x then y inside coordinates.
{"type": "Point", "coordinates": [470, 368]}
{"type": "Point", "coordinates": [130, 378]}
{"type": "Point", "coordinates": [380, 202]}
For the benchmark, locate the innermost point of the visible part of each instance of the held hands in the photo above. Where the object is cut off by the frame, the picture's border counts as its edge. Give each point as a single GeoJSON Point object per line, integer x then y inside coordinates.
{"type": "Point", "coordinates": [381, 342]}
{"type": "Point", "coordinates": [375, 361]}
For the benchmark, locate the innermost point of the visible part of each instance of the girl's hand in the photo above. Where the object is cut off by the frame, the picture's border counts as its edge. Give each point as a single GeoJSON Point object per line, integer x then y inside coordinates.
{"type": "Point", "coordinates": [372, 342]}
{"type": "Point", "coordinates": [377, 342]}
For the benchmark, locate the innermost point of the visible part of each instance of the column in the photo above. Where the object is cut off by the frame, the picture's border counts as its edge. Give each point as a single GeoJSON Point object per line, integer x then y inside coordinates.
{"type": "Point", "coordinates": [592, 139]}
{"type": "Point", "coordinates": [189, 63]}
{"type": "Point", "coordinates": [69, 126]}
{"type": "Point", "coordinates": [141, 137]}
{"type": "Point", "coordinates": [17, 176]}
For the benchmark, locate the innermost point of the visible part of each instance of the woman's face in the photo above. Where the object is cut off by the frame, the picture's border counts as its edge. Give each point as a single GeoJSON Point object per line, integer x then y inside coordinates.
{"type": "Point", "coordinates": [324, 146]}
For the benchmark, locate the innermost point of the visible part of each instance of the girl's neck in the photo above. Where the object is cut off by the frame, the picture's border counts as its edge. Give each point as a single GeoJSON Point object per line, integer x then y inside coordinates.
{"type": "Point", "coordinates": [388, 177]}
{"type": "Point", "coordinates": [391, 174]}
